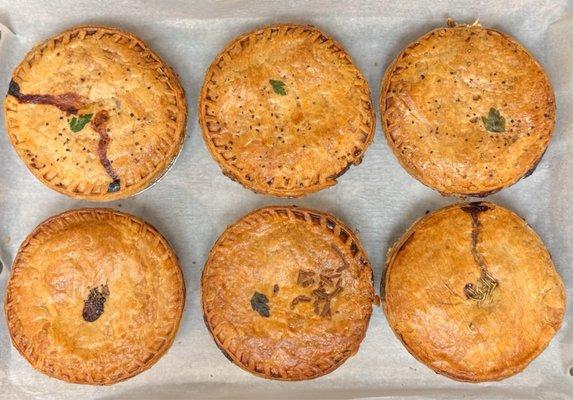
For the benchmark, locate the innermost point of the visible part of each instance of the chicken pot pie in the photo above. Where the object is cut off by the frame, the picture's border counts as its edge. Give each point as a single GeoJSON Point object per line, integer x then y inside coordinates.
{"type": "Point", "coordinates": [95, 296]}
{"type": "Point", "coordinates": [287, 293]}
{"type": "Point", "coordinates": [467, 110]}
{"type": "Point", "coordinates": [95, 114]}
{"type": "Point", "coordinates": [284, 111]}
{"type": "Point", "coordinates": [471, 291]}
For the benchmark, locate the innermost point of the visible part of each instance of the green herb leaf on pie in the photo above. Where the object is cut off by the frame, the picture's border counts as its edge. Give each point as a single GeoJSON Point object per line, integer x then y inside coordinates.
{"type": "Point", "coordinates": [259, 303]}
{"type": "Point", "coordinates": [77, 124]}
{"type": "Point", "coordinates": [494, 122]}
{"type": "Point", "coordinates": [278, 87]}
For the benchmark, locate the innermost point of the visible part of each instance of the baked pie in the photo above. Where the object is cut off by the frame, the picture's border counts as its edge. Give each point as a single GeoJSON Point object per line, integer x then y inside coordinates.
{"type": "Point", "coordinates": [95, 114]}
{"type": "Point", "coordinates": [471, 291]}
{"type": "Point", "coordinates": [284, 111]}
{"type": "Point", "coordinates": [287, 293]}
{"type": "Point", "coordinates": [467, 110]}
{"type": "Point", "coordinates": [95, 296]}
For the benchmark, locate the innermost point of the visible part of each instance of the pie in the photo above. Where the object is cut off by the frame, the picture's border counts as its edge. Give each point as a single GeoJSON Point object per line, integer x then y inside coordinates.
{"type": "Point", "coordinates": [284, 111]}
{"type": "Point", "coordinates": [95, 114]}
{"type": "Point", "coordinates": [287, 293]}
{"type": "Point", "coordinates": [95, 296]}
{"type": "Point", "coordinates": [471, 291]}
{"type": "Point", "coordinates": [467, 110]}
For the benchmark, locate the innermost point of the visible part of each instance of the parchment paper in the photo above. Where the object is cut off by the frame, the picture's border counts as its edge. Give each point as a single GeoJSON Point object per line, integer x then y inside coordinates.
{"type": "Point", "coordinates": [194, 202]}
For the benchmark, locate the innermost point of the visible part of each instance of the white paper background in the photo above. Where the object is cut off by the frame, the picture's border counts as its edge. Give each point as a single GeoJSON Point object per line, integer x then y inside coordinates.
{"type": "Point", "coordinates": [194, 202]}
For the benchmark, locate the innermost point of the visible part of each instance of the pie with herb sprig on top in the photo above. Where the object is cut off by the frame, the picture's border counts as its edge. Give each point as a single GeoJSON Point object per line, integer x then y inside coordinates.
{"type": "Point", "coordinates": [284, 111]}
{"type": "Point", "coordinates": [95, 114]}
{"type": "Point", "coordinates": [95, 296]}
{"type": "Point", "coordinates": [467, 110]}
{"type": "Point", "coordinates": [287, 293]}
{"type": "Point", "coordinates": [471, 291]}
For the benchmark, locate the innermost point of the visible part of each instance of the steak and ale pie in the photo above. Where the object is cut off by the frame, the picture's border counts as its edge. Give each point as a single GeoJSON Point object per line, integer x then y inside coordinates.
{"type": "Point", "coordinates": [471, 291]}
{"type": "Point", "coordinates": [95, 114]}
{"type": "Point", "coordinates": [287, 293]}
{"type": "Point", "coordinates": [284, 111]}
{"type": "Point", "coordinates": [467, 110]}
{"type": "Point", "coordinates": [95, 296]}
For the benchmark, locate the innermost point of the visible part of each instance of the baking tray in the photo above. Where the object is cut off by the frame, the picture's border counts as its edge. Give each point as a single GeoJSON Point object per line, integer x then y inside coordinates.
{"type": "Point", "coordinates": [194, 202]}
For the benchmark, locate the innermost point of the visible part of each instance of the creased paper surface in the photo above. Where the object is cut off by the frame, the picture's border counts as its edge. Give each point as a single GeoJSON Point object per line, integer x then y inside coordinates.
{"type": "Point", "coordinates": [194, 202]}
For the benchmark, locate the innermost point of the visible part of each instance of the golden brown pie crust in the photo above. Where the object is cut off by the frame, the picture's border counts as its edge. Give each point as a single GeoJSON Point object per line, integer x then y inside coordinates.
{"type": "Point", "coordinates": [471, 291]}
{"type": "Point", "coordinates": [435, 94]}
{"type": "Point", "coordinates": [67, 261]}
{"type": "Point", "coordinates": [293, 144]}
{"type": "Point", "coordinates": [114, 76]}
{"type": "Point", "coordinates": [317, 282]}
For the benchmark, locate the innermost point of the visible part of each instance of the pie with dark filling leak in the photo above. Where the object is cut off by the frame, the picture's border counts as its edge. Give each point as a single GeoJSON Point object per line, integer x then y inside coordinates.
{"type": "Point", "coordinates": [95, 296]}
{"type": "Point", "coordinates": [95, 114]}
{"type": "Point", "coordinates": [287, 293]}
{"type": "Point", "coordinates": [284, 111]}
{"type": "Point", "coordinates": [471, 291]}
{"type": "Point", "coordinates": [467, 110]}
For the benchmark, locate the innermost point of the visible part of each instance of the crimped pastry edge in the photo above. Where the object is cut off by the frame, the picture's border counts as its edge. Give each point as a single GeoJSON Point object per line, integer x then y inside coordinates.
{"type": "Point", "coordinates": [235, 175]}
{"type": "Point", "coordinates": [174, 83]}
{"type": "Point", "coordinates": [106, 212]}
{"type": "Point", "coordinates": [289, 209]}
{"type": "Point", "coordinates": [396, 248]}
{"type": "Point", "coordinates": [385, 83]}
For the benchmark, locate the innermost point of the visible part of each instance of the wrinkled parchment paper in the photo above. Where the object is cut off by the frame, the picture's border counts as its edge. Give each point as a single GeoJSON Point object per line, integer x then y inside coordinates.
{"type": "Point", "coordinates": [194, 202]}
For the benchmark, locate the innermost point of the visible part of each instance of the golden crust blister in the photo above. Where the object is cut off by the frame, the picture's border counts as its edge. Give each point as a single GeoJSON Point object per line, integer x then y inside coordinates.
{"type": "Point", "coordinates": [294, 139]}
{"type": "Point", "coordinates": [102, 252]}
{"type": "Point", "coordinates": [287, 293]}
{"type": "Point", "coordinates": [435, 94]}
{"type": "Point", "coordinates": [471, 292]}
{"type": "Point", "coordinates": [96, 69]}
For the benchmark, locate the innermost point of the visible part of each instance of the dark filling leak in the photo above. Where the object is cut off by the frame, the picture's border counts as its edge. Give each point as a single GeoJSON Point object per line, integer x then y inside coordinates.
{"type": "Point", "coordinates": [93, 306]}
{"type": "Point", "coordinates": [70, 103]}
{"type": "Point", "coordinates": [482, 291]}
{"type": "Point", "coordinates": [67, 102]}
{"type": "Point", "coordinates": [98, 125]}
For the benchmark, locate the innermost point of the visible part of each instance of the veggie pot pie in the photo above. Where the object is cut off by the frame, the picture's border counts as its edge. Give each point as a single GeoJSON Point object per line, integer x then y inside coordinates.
{"type": "Point", "coordinates": [467, 110]}
{"type": "Point", "coordinates": [284, 111]}
{"type": "Point", "coordinates": [287, 293]}
{"type": "Point", "coordinates": [471, 291]}
{"type": "Point", "coordinates": [95, 114]}
{"type": "Point", "coordinates": [95, 296]}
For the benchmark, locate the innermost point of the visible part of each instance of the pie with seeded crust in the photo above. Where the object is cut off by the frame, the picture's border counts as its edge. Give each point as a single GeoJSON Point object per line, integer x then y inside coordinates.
{"type": "Point", "coordinates": [471, 291]}
{"type": "Point", "coordinates": [287, 293]}
{"type": "Point", "coordinates": [95, 114]}
{"type": "Point", "coordinates": [284, 111]}
{"type": "Point", "coordinates": [467, 110]}
{"type": "Point", "coordinates": [95, 296]}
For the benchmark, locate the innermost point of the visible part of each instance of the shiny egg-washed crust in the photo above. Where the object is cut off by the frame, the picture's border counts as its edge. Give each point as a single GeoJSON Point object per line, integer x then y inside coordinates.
{"type": "Point", "coordinates": [108, 69]}
{"type": "Point", "coordinates": [265, 252]}
{"type": "Point", "coordinates": [430, 274]}
{"type": "Point", "coordinates": [55, 270]}
{"type": "Point", "coordinates": [435, 93]}
{"type": "Point", "coordinates": [294, 144]}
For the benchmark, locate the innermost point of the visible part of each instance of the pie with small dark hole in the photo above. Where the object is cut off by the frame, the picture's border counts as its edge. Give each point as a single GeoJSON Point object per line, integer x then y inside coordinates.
{"type": "Point", "coordinates": [467, 110]}
{"type": "Point", "coordinates": [287, 293]}
{"type": "Point", "coordinates": [471, 291]}
{"type": "Point", "coordinates": [95, 114]}
{"type": "Point", "coordinates": [284, 111]}
{"type": "Point", "coordinates": [95, 296]}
